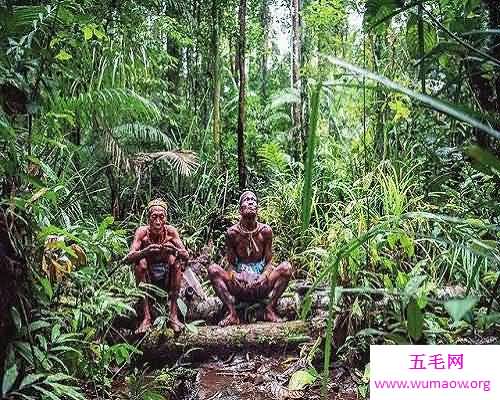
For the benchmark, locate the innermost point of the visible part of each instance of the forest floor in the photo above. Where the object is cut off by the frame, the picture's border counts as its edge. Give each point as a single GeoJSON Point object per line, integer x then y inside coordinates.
{"type": "Point", "coordinates": [248, 376]}
{"type": "Point", "coordinates": [256, 376]}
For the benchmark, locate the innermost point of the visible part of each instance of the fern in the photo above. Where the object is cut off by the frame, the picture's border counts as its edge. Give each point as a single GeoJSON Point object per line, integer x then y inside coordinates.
{"type": "Point", "coordinates": [272, 157]}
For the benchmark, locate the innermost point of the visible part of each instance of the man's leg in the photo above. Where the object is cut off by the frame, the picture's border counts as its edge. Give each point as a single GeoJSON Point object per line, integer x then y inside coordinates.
{"type": "Point", "coordinates": [175, 277]}
{"type": "Point", "coordinates": [220, 281]}
{"type": "Point", "coordinates": [141, 275]}
{"type": "Point", "coordinates": [278, 281]}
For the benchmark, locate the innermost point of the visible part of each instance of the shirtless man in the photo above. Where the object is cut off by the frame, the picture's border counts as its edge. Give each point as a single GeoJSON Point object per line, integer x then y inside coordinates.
{"type": "Point", "coordinates": [159, 257]}
{"type": "Point", "coordinates": [250, 275]}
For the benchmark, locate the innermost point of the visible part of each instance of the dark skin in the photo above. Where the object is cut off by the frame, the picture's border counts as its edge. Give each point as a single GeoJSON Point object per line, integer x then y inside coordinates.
{"type": "Point", "coordinates": [231, 285]}
{"type": "Point", "coordinates": [155, 243]}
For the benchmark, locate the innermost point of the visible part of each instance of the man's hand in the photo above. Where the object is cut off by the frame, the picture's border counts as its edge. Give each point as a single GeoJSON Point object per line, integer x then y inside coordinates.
{"type": "Point", "coordinates": [261, 280]}
{"type": "Point", "coordinates": [152, 250]}
{"type": "Point", "coordinates": [170, 248]}
{"type": "Point", "coordinates": [243, 279]}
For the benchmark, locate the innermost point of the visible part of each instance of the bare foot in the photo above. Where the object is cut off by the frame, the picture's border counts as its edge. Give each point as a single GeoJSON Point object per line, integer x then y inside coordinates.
{"type": "Point", "coordinates": [270, 315]}
{"type": "Point", "coordinates": [144, 326]}
{"type": "Point", "coordinates": [176, 325]}
{"type": "Point", "coordinates": [231, 319]}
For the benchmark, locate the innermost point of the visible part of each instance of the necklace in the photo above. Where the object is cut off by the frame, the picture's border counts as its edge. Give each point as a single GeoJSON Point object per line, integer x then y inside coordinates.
{"type": "Point", "coordinates": [162, 236]}
{"type": "Point", "coordinates": [250, 237]}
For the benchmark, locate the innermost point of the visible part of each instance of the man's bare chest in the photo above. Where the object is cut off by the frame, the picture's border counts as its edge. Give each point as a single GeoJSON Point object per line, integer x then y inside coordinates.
{"type": "Point", "coordinates": [249, 247]}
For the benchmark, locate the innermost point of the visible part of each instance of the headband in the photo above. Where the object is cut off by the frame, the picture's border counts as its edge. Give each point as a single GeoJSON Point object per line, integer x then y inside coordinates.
{"type": "Point", "coordinates": [157, 203]}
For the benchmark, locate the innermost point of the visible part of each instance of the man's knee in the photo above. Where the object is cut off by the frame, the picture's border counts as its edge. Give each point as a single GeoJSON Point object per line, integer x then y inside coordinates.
{"type": "Point", "coordinates": [285, 269]}
{"type": "Point", "coordinates": [214, 271]}
{"type": "Point", "coordinates": [141, 267]}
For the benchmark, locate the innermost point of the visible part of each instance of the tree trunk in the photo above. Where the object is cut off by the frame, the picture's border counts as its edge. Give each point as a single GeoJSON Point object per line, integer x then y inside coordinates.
{"type": "Point", "coordinates": [487, 88]}
{"type": "Point", "coordinates": [296, 81]}
{"type": "Point", "coordinates": [13, 275]}
{"type": "Point", "coordinates": [216, 128]}
{"type": "Point", "coordinates": [114, 198]}
{"type": "Point", "coordinates": [211, 309]}
{"type": "Point", "coordinates": [265, 48]}
{"type": "Point", "coordinates": [160, 346]}
{"type": "Point", "coordinates": [242, 173]}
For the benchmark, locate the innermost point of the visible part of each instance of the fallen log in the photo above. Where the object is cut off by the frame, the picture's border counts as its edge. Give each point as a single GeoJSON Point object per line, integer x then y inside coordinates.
{"type": "Point", "coordinates": [161, 346]}
{"type": "Point", "coordinates": [211, 309]}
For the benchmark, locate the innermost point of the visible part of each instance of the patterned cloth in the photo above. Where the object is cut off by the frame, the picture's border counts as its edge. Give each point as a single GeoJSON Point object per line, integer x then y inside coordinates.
{"type": "Point", "coordinates": [255, 267]}
{"type": "Point", "coordinates": [159, 272]}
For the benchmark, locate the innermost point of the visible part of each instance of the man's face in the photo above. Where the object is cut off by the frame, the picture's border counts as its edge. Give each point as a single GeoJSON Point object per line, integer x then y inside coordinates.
{"type": "Point", "coordinates": [157, 218]}
{"type": "Point", "coordinates": [248, 206]}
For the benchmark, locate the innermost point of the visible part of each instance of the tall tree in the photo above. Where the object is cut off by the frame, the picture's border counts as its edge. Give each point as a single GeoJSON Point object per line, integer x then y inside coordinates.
{"type": "Point", "coordinates": [242, 173]}
{"type": "Point", "coordinates": [265, 21]}
{"type": "Point", "coordinates": [296, 82]}
{"type": "Point", "coordinates": [216, 127]}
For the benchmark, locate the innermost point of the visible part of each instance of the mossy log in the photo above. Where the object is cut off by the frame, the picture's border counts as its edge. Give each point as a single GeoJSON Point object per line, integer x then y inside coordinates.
{"type": "Point", "coordinates": [211, 308]}
{"type": "Point", "coordinates": [160, 346]}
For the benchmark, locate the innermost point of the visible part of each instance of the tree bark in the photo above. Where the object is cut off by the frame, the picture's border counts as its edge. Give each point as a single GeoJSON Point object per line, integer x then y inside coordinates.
{"type": "Point", "coordinates": [296, 81]}
{"type": "Point", "coordinates": [265, 48]}
{"type": "Point", "coordinates": [216, 128]}
{"type": "Point", "coordinates": [486, 90]}
{"type": "Point", "coordinates": [161, 346]}
{"type": "Point", "coordinates": [242, 173]}
{"type": "Point", "coordinates": [13, 276]}
{"type": "Point", "coordinates": [211, 309]}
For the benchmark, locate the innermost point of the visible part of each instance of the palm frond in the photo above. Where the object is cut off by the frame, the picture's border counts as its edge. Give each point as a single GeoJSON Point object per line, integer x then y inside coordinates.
{"type": "Point", "coordinates": [183, 161]}
{"type": "Point", "coordinates": [142, 134]}
{"type": "Point", "coordinates": [116, 152]}
{"type": "Point", "coordinates": [285, 96]}
{"type": "Point", "coordinates": [110, 105]}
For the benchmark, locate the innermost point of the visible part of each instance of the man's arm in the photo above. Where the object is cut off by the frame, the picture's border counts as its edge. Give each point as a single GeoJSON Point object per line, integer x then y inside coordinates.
{"type": "Point", "coordinates": [177, 242]}
{"type": "Point", "coordinates": [267, 232]}
{"type": "Point", "coordinates": [135, 254]}
{"type": "Point", "coordinates": [230, 253]}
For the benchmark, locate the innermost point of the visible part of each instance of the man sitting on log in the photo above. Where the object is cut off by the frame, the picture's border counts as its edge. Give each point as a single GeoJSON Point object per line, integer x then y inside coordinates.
{"type": "Point", "coordinates": [159, 257]}
{"type": "Point", "coordinates": [251, 275]}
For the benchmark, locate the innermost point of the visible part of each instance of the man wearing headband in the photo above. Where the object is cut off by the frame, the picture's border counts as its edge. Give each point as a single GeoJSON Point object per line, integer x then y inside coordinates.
{"type": "Point", "coordinates": [159, 257]}
{"type": "Point", "coordinates": [251, 275]}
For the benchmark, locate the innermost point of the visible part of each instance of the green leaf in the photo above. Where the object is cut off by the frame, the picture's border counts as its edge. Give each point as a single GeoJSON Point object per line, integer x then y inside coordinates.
{"type": "Point", "coordinates": [28, 380]}
{"type": "Point", "coordinates": [16, 318]}
{"type": "Point", "coordinates": [8, 379]}
{"type": "Point", "coordinates": [407, 244]}
{"type": "Point", "coordinates": [432, 102]}
{"type": "Point", "coordinates": [415, 320]}
{"type": "Point", "coordinates": [485, 158]}
{"type": "Point", "coordinates": [300, 379]}
{"type": "Point", "coordinates": [430, 36]}
{"type": "Point", "coordinates": [63, 55]}
{"type": "Point", "coordinates": [56, 331]}
{"type": "Point", "coordinates": [309, 163]}
{"type": "Point", "coordinates": [88, 31]}
{"type": "Point", "coordinates": [191, 328]}
{"type": "Point", "coordinates": [457, 308]}
{"type": "Point", "coordinates": [37, 325]}
{"type": "Point", "coordinates": [182, 307]}
{"type": "Point", "coordinates": [150, 395]}
{"type": "Point", "coordinates": [47, 287]}
{"type": "Point", "coordinates": [99, 34]}
{"type": "Point", "coordinates": [413, 285]}
{"type": "Point", "coordinates": [378, 10]}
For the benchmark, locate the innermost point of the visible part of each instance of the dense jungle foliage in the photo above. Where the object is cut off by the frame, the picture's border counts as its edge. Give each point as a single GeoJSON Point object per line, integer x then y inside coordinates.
{"type": "Point", "coordinates": [369, 129]}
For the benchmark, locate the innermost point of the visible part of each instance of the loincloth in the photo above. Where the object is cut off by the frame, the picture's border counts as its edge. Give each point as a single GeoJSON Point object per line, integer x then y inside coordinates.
{"type": "Point", "coordinates": [159, 274]}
